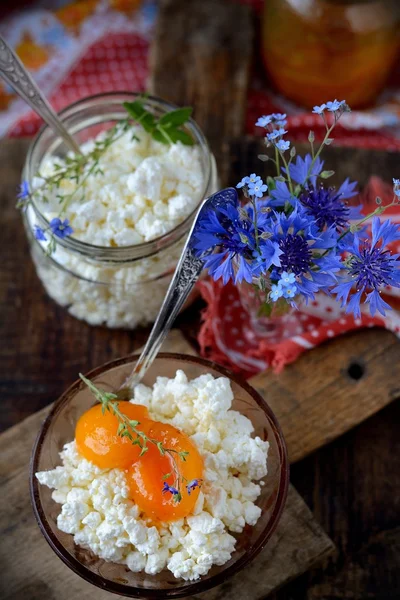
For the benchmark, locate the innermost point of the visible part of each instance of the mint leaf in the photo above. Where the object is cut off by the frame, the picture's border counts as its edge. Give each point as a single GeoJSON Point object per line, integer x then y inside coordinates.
{"type": "Point", "coordinates": [177, 117]}
{"type": "Point", "coordinates": [137, 111]}
{"type": "Point", "coordinates": [159, 137]}
{"type": "Point", "coordinates": [177, 135]}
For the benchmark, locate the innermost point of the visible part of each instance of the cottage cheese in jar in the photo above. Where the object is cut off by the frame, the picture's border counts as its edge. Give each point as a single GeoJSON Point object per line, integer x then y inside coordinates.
{"type": "Point", "coordinates": [141, 191]}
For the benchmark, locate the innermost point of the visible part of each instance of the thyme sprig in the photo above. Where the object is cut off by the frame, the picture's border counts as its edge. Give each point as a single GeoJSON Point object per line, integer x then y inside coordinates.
{"type": "Point", "coordinates": [129, 428]}
{"type": "Point", "coordinates": [167, 129]}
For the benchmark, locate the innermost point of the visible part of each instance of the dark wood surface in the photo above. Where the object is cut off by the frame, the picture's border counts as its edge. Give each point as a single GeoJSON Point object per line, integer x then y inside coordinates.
{"type": "Point", "coordinates": [352, 485]}
{"type": "Point", "coordinates": [31, 571]}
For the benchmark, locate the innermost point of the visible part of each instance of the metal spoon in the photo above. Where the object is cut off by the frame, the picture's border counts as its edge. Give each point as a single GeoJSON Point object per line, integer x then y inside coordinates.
{"type": "Point", "coordinates": [14, 73]}
{"type": "Point", "coordinates": [186, 274]}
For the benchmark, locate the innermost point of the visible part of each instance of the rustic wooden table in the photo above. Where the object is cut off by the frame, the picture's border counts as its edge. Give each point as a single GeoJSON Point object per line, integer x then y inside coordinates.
{"type": "Point", "coordinates": [351, 485]}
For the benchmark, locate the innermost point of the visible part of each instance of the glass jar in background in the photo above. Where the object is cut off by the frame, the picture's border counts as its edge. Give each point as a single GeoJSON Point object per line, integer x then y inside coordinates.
{"type": "Point", "coordinates": [318, 50]}
{"type": "Point", "coordinates": [119, 287]}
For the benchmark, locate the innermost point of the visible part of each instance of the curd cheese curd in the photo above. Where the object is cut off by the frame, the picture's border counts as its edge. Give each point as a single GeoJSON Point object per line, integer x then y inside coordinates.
{"type": "Point", "coordinates": [97, 511]}
{"type": "Point", "coordinates": [145, 190]}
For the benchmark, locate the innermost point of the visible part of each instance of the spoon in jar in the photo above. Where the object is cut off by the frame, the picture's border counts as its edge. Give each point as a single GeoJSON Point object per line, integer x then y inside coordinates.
{"type": "Point", "coordinates": [186, 274]}
{"type": "Point", "coordinates": [17, 76]}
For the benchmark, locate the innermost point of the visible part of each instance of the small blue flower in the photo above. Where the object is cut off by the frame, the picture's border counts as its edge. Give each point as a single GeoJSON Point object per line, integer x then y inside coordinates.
{"type": "Point", "coordinates": [169, 488]}
{"type": "Point", "coordinates": [39, 234]}
{"type": "Point", "coordinates": [61, 228]}
{"type": "Point", "coordinates": [193, 485]}
{"type": "Point", "coordinates": [290, 291]}
{"type": "Point", "coordinates": [319, 110]}
{"type": "Point", "coordinates": [283, 146]}
{"type": "Point", "coordinates": [275, 134]}
{"type": "Point", "coordinates": [276, 292]}
{"type": "Point", "coordinates": [264, 121]}
{"type": "Point", "coordinates": [396, 186]}
{"type": "Point", "coordinates": [253, 178]}
{"type": "Point", "coordinates": [257, 189]}
{"type": "Point", "coordinates": [335, 105]}
{"type": "Point", "coordinates": [243, 182]}
{"type": "Point", "coordinates": [23, 191]}
{"type": "Point", "coordinates": [278, 116]}
{"type": "Point", "coordinates": [287, 278]}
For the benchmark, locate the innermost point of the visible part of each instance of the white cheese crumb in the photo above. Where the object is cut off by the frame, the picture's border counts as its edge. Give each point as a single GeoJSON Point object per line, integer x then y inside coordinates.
{"type": "Point", "coordinates": [96, 508]}
{"type": "Point", "coordinates": [146, 191]}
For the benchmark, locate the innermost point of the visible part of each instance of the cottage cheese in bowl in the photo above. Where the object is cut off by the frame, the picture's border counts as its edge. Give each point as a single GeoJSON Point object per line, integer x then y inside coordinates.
{"type": "Point", "coordinates": [96, 504]}
{"type": "Point", "coordinates": [139, 194]}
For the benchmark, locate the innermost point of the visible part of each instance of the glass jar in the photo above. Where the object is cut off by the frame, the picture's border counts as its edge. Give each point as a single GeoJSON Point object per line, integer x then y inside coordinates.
{"type": "Point", "coordinates": [282, 321]}
{"type": "Point", "coordinates": [112, 286]}
{"type": "Point", "coordinates": [318, 50]}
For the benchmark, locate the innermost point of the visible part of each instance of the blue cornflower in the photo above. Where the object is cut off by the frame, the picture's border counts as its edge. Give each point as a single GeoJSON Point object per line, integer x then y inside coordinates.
{"type": "Point", "coordinates": [287, 278]}
{"type": "Point", "coordinates": [275, 134]}
{"type": "Point", "coordinates": [348, 189]}
{"type": "Point", "coordinates": [257, 189]}
{"type": "Point", "coordinates": [282, 145]}
{"type": "Point", "coordinates": [61, 228]}
{"type": "Point", "coordinates": [243, 182]}
{"type": "Point", "coordinates": [290, 291]}
{"type": "Point", "coordinates": [298, 236]}
{"type": "Point", "coordinates": [39, 233]}
{"type": "Point", "coordinates": [369, 267]}
{"type": "Point", "coordinates": [326, 206]}
{"type": "Point", "coordinates": [302, 166]}
{"type": "Point", "coordinates": [335, 105]}
{"type": "Point", "coordinates": [23, 191]}
{"type": "Point", "coordinates": [276, 292]}
{"type": "Point", "coordinates": [193, 485]}
{"type": "Point", "coordinates": [169, 488]}
{"type": "Point", "coordinates": [281, 194]}
{"type": "Point", "coordinates": [269, 255]}
{"type": "Point", "coordinates": [319, 110]}
{"type": "Point", "coordinates": [264, 121]}
{"type": "Point", "coordinates": [224, 228]}
{"type": "Point", "coordinates": [396, 186]}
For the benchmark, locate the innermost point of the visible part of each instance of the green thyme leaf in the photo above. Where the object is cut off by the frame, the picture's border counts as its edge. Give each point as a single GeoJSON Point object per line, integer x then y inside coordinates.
{"type": "Point", "coordinates": [167, 475]}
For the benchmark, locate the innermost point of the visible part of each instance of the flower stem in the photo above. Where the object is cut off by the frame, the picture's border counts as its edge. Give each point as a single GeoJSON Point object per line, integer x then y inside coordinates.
{"type": "Point", "coordinates": [278, 168]}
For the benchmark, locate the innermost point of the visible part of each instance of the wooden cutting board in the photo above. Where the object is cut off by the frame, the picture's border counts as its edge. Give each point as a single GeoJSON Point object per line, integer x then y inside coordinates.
{"type": "Point", "coordinates": [31, 571]}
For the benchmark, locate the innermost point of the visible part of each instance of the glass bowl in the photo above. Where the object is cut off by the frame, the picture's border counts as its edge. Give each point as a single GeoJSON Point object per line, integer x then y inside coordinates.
{"type": "Point", "coordinates": [59, 428]}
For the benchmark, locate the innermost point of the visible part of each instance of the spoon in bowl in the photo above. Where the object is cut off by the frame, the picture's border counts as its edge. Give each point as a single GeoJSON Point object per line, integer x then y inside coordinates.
{"type": "Point", "coordinates": [16, 75]}
{"type": "Point", "coordinates": [186, 274]}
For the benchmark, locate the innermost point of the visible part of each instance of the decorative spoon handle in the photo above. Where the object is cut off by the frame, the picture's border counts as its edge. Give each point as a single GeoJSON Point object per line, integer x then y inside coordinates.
{"type": "Point", "coordinates": [14, 73]}
{"type": "Point", "coordinates": [186, 274]}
